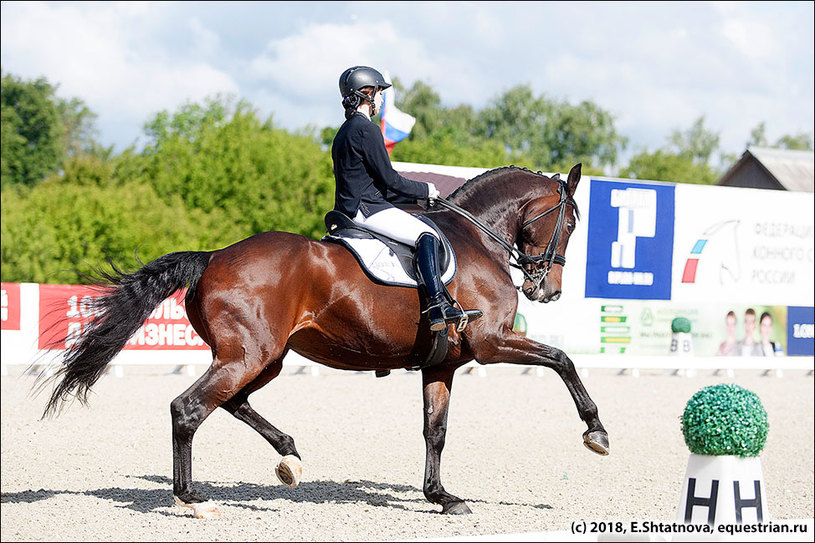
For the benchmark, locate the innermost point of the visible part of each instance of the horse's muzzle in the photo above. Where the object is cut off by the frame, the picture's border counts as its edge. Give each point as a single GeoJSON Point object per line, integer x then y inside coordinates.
{"type": "Point", "coordinates": [536, 293]}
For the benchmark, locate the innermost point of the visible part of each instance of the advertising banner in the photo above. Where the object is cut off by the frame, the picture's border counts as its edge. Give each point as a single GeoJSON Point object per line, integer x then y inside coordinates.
{"type": "Point", "coordinates": [10, 306]}
{"type": "Point", "coordinates": [645, 327]}
{"type": "Point", "coordinates": [743, 245]}
{"type": "Point", "coordinates": [801, 331]}
{"type": "Point", "coordinates": [630, 240]}
{"type": "Point", "coordinates": [66, 309]}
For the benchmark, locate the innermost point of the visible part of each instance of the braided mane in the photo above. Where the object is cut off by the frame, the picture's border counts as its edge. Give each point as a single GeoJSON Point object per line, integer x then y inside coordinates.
{"type": "Point", "coordinates": [481, 179]}
{"type": "Point", "coordinates": [489, 174]}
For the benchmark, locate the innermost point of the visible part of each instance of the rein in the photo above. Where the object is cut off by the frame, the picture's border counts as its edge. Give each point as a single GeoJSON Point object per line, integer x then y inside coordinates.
{"type": "Point", "coordinates": [550, 255]}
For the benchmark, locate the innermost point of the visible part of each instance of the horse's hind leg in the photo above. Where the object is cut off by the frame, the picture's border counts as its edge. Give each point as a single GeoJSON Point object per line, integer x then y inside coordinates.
{"type": "Point", "coordinates": [229, 373]}
{"type": "Point", "coordinates": [289, 470]}
{"type": "Point", "coordinates": [437, 383]}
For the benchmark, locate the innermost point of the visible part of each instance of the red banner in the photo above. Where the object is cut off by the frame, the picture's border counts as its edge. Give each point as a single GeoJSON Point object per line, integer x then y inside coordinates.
{"type": "Point", "coordinates": [10, 306]}
{"type": "Point", "coordinates": [66, 309]}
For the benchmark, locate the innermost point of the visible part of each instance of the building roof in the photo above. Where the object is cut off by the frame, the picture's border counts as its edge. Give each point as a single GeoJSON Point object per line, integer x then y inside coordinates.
{"type": "Point", "coordinates": [793, 170]}
{"type": "Point", "coordinates": [446, 178]}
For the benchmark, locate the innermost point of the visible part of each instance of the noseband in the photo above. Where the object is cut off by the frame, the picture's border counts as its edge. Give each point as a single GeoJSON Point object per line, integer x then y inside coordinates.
{"type": "Point", "coordinates": [548, 257]}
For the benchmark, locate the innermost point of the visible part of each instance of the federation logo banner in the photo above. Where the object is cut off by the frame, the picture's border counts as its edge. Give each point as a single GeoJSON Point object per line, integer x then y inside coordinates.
{"type": "Point", "coordinates": [630, 240]}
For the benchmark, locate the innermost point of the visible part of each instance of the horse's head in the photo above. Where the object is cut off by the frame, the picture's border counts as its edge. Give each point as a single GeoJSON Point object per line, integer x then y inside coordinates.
{"type": "Point", "coordinates": [545, 224]}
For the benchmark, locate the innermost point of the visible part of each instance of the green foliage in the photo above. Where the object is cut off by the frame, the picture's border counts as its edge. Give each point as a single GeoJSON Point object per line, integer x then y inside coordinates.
{"type": "Point", "coordinates": [686, 158]}
{"type": "Point", "coordinates": [516, 128]}
{"type": "Point", "coordinates": [725, 420]}
{"type": "Point", "coordinates": [665, 166]}
{"type": "Point", "coordinates": [216, 157]}
{"type": "Point", "coordinates": [62, 226]}
{"type": "Point", "coordinates": [697, 142]}
{"type": "Point", "coordinates": [798, 142]}
{"type": "Point", "coordinates": [32, 143]}
{"type": "Point", "coordinates": [211, 175]}
{"type": "Point", "coordinates": [446, 147]}
{"type": "Point", "coordinates": [214, 173]}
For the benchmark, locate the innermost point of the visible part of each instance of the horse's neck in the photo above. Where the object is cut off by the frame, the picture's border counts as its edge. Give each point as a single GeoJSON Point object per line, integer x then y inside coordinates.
{"type": "Point", "coordinates": [497, 203]}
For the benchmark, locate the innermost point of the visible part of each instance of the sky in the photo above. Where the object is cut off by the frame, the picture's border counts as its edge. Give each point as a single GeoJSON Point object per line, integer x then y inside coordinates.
{"type": "Point", "coordinates": [656, 67]}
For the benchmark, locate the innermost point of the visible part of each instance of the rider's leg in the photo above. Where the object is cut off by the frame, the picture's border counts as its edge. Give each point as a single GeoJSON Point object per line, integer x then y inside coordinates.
{"type": "Point", "coordinates": [404, 227]}
{"type": "Point", "coordinates": [440, 311]}
{"type": "Point", "coordinates": [395, 224]}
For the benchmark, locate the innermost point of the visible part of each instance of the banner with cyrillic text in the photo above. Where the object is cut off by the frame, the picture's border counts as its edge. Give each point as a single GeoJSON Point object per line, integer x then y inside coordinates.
{"type": "Point", "coordinates": [10, 306]}
{"type": "Point", "coordinates": [66, 309]}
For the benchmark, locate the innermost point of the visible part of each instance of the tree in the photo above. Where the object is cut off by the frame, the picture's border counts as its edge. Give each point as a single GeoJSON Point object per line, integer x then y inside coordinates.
{"type": "Point", "coordinates": [697, 142]}
{"type": "Point", "coordinates": [685, 158]}
{"type": "Point", "coordinates": [758, 136]}
{"type": "Point", "coordinates": [72, 222]}
{"type": "Point", "coordinates": [78, 128]}
{"type": "Point", "coordinates": [663, 165]}
{"type": "Point", "coordinates": [32, 144]}
{"type": "Point", "coordinates": [798, 142]}
{"type": "Point", "coordinates": [220, 156]}
{"type": "Point", "coordinates": [40, 131]}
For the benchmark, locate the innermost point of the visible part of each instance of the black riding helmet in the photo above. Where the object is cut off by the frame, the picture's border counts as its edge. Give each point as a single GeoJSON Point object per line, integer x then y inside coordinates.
{"type": "Point", "coordinates": [356, 78]}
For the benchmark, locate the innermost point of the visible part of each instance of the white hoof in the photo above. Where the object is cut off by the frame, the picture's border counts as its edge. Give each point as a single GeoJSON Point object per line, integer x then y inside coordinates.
{"type": "Point", "coordinates": [289, 471]}
{"type": "Point", "coordinates": [205, 509]}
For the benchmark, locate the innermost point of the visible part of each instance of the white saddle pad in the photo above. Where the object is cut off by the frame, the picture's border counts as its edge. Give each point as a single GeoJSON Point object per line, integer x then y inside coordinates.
{"type": "Point", "coordinates": [382, 264]}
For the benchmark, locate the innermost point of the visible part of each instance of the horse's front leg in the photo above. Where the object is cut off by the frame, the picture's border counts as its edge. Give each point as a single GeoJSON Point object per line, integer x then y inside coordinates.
{"type": "Point", "coordinates": [437, 383]}
{"type": "Point", "coordinates": [514, 348]}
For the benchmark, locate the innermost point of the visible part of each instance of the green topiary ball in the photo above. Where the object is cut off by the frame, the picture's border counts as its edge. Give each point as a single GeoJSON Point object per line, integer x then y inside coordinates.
{"type": "Point", "coordinates": [724, 420]}
{"type": "Point", "coordinates": [680, 325]}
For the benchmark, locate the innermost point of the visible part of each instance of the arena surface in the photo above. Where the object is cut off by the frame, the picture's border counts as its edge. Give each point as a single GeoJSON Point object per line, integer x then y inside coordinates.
{"type": "Point", "coordinates": [514, 452]}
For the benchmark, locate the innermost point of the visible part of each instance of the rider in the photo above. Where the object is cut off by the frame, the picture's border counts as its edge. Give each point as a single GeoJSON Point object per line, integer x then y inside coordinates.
{"type": "Point", "coordinates": [366, 184]}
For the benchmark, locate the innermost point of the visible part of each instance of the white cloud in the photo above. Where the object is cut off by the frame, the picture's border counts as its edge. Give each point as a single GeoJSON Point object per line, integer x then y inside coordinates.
{"type": "Point", "coordinates": [303, 62]}
{"type": "Point", "coordinates": [103, 54]}
{"type": "Point", "coordinates": [655, 66]}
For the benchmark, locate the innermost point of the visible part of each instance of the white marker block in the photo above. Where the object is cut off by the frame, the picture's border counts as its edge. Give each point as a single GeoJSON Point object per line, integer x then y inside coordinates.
{"type": "Point", "coordinates": [723, 490]}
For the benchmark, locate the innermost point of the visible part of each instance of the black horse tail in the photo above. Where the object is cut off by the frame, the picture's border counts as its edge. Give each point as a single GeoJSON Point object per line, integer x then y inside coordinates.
{"type": "Point", "coordinates": [126, 301]}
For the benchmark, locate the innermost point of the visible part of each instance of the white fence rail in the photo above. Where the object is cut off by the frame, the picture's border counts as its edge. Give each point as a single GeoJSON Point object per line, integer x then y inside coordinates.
{"type": "Point", "coordinates": [189, 362]}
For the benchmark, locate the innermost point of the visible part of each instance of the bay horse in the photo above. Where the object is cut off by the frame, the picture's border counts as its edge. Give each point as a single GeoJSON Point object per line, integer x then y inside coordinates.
{"type": "Point", "coordinates": [255, 300]}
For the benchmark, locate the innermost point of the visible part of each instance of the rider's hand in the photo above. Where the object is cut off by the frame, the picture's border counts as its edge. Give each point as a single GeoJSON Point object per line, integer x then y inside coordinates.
{"type": "Point", "coordinates": [432, 193]}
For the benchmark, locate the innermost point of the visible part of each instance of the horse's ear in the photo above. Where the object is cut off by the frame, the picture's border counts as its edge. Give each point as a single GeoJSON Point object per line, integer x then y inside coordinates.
{"type": "Point", "coordinates": [574, 178]}
{"type": "Point", "coordinates": [556, 177]}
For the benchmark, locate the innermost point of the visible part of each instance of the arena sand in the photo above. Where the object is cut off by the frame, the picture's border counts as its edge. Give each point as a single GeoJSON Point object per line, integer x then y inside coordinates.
{"type": "Point", "coordinates": [514, 452]}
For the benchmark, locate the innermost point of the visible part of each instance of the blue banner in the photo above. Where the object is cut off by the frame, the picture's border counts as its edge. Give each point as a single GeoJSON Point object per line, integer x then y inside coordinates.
{"type": "Point", "coordinates": [800, 331]}
{"type": "Point", "coordinates": [630, 240]}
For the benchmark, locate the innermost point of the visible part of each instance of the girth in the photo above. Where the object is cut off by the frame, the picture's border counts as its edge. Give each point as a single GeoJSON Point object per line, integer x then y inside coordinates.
{"type": "Point", "coordinates": [341, 226]}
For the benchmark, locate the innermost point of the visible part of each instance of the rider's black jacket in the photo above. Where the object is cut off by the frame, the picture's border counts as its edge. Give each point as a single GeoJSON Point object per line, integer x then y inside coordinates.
{"type": "Point", "coordinates": [363, 173]}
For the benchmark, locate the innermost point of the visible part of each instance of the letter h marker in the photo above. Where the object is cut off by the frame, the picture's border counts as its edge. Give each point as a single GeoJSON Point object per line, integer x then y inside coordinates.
{"type": "Point", "coordinates": [755, 502]}
{"type": "Point", "coordinates": [710, 502]}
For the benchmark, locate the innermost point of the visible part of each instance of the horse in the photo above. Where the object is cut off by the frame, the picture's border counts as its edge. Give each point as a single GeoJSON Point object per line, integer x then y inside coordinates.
{"type": "Point", "coordinates": [255, 300]}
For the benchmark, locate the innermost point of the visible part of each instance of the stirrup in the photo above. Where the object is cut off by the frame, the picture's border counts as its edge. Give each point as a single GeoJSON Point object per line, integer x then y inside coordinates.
{"type": "Point", "coordinates": [462, 323]}
{"type": "Point", "coordinates": [469, 315]}
{"type": "Point", "coordinates": [445, 319]}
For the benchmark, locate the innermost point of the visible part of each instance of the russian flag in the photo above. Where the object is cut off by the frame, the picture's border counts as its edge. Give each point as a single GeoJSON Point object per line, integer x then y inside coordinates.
{"type": "Point", "coordinates": [396, 124]}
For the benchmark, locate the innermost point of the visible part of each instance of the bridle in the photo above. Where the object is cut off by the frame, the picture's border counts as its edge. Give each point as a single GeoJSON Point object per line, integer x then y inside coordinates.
{"type": "Point", "coordinates": [548, 257]}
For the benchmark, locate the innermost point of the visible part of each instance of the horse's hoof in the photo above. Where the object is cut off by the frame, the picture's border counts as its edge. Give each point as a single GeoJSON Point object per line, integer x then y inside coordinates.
{"type": "Point", "coordinates": [289, 471]}
{"type": "Point", "coordinates": [456, 508]}
{"type": "Point", "coordinates": [597, 442]}
{"type": "Point", "coordinates": [205, 509]}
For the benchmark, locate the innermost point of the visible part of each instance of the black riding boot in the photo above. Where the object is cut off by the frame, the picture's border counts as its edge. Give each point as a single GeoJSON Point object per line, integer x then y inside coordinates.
{"type": "Point", "coordinates": [440, 311]}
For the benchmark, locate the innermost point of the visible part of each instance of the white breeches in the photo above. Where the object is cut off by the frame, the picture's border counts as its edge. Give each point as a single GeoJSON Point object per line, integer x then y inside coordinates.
{"type": "Point", "coordinates": [396, 224]}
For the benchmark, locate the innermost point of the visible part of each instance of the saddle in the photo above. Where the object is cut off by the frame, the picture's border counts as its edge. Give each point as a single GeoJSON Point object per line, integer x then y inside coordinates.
{"type": "Point", "coordinates": [390, 262]}
{"type": "Point", "coordinates": [386, 261]}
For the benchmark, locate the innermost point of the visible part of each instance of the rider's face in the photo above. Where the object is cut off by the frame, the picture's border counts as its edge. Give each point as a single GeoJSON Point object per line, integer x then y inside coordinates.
{"type": "Point", "coordinates": [378, 99]}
